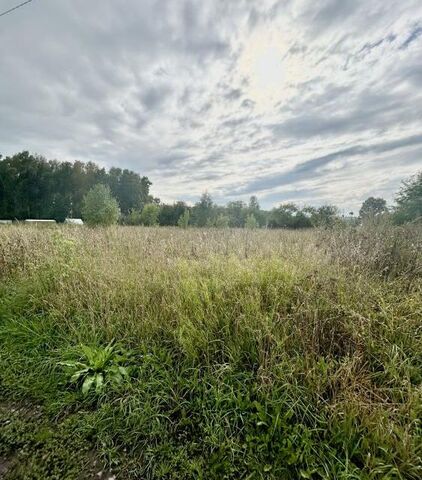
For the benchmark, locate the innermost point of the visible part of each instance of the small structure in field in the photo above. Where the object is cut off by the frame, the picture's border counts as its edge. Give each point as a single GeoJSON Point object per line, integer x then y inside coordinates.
{"type": "Point", "coordinates": [74, 221]}
{"type": "Point", "coordinates": [5, 222]}
{"type": "Point", "coordinates": [39, 221]}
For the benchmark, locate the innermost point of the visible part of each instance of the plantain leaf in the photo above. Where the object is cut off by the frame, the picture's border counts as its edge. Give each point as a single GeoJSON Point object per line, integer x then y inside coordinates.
{"type": "Point", "coordinates": [99, 382]}
{"type": "Point", "coordinates": [75, 377]}
{"type": "Point", "coordinates": [71, 364]}
{"type": "Point", "coordinates": [88, 383]}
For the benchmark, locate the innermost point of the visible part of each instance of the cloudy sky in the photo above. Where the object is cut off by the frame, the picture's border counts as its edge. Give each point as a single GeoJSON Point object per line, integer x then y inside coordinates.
{"type": "Point", "coordinates": [290, 100]}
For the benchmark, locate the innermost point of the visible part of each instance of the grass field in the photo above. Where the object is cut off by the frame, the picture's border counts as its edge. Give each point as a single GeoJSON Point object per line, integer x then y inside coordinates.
{"type": "Point", "coordinates": [210, 354]}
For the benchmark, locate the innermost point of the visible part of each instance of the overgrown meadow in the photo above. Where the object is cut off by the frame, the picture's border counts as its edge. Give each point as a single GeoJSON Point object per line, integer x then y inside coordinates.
{"type": "Point", "coordinates": [164, 353]}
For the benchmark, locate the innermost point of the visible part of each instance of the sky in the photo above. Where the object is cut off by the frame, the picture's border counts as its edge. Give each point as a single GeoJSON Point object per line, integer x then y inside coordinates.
{"type": "Point", "coordinates": [302, 101]}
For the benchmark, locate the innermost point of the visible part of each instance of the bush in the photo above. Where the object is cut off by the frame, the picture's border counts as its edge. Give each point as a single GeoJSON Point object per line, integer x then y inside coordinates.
{"type": "Point", "coordinates": [100, 207]}
{"type": "Point", "coordinates": [132, 218]}
{"type": "Point", "coordinates": [222, 221]}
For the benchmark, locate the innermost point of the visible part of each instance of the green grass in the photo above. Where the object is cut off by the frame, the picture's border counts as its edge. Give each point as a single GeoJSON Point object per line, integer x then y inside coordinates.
{"type": "Point", "coordinates": [232, 354]}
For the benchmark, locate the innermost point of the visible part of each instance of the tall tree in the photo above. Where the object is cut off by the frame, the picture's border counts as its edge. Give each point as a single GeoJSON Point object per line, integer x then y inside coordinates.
{"type": "Point", "coordinates": [255, 209]}
{"type": "Point", "coordinates": [283, 216]}
{"type": "Point", "coordinates": [409, 200]}
{"type": "Point", "coordinates": [254, 204]}
{"type": "Point", "coordinates": [170, 214]}
{"type": "Point", "coordinates": [237, 213]}
{"type": "Point", "coordinates": [203, 211]}
{"type": "Point", "coordinates": [130, 189]}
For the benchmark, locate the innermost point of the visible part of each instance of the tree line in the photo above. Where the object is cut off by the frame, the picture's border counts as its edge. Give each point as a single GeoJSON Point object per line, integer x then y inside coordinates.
{"type": "Point", "coordinates": [33, 187]}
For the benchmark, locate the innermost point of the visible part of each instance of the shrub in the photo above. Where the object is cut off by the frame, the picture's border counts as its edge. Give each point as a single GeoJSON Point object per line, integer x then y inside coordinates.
{"type": "Point", "coordinates": [132, 218]}
{"type": "Point", "coordinates": [183, 221]}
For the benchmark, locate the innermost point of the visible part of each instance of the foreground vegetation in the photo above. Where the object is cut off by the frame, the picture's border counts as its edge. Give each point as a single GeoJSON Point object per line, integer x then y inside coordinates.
{"type": "Point", "coordinates": [151, 353]}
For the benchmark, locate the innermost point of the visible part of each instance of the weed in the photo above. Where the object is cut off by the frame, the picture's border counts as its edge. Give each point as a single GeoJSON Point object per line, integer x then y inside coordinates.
{"type": "Point", "coordinates": [97, 367]}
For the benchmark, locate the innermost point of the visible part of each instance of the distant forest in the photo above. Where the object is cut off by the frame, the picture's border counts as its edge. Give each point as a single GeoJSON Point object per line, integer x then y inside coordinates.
{"type": "Point", "coordinates": [34, 187]}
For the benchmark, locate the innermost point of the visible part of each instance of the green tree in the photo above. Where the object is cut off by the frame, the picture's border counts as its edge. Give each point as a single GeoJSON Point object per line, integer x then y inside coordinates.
{"type": "Point", "coordinates": [170, 214]}
{"type": "Point", "coordinates": [237, 212]}
{"type": "Point", "coordinates": [409, 200]}
{"type": "Point", "coordinates": [183, 221]}
{"type": "Point", "coordinates": [203, 211]}
{"type": "Point", "coordinates": [372, 207]}
{"type": "Point", "coordinates": [254, 204]}
{"type": "Point", "coordinates": [61, 191]}
{"type": "Point", "coordinates": [251, 222]}
{"type": "Point", "coordinates": [149, 215]}
{"type": "Point", "coordinates": [100, 207]}
{"type": "Point", "coordinates": [27, 186]}
{"type": "Point", "coordinates": [325, 216]}
{"type": "Point", "coordinates": [255, 210]}
{"type": "Point", "coordinates": [221, 221]}
{"type": "Point", "coordinates": [129, 188]}
{"type": "Point", "coordinates": [283, 216]}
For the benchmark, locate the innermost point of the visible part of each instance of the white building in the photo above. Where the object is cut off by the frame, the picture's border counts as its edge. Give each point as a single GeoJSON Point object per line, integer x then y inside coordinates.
{"type": "Point", "coordinates": [36, 221]}
{"type": "Point", "coordinates": [73, 221]}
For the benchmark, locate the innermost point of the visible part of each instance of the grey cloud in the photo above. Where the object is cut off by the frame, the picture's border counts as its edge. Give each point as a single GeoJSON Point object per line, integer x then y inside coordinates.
{"type": "Point", "coordinates": [326, 115]}
{"type": "Point", "coordinates": [370, 46]}
{"type": "Point", "coordinates": [331, 12]}
{"type": "Point", "coordinates": [170, 159]}
{"type": "Point", "coordinates": [309, 195]}
{"type": "Point", "coordinates": [190, 123]}
{"type": "Point", "coordinates": [234, 122]}
{"type": "Point", "coordinates": [296, 49]}
{"type": "Point", "coordinates": [208, 176]}
{"type": "Point", "coordinates": [248, 103]}
{"type": "Point", "coordinates": [311, 168]}
{"type": "Point", "coordinates": [253, 18]}
{"type": "Point", "coordinates": [414, 35]}
{"type": "Point", "coordinates": [233, 94]}
{"type": "Point", "coordinates": [414, 75]}
{"type": "Point", "coordinates": [153, 97]}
